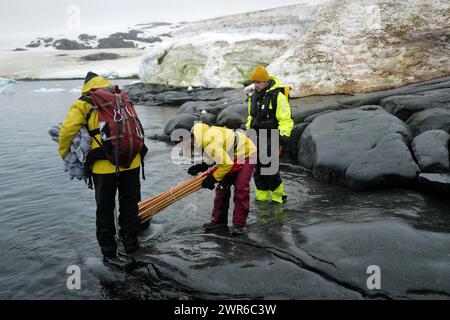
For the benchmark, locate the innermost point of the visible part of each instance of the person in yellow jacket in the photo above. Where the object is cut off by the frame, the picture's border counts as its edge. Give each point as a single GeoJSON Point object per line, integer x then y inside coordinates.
{"type": "Point", "coordinates": [106, 181]}
{"type": "Point", "coordinates": [235, 156]}
{"type": "Point", "coordinates": [269, 110]}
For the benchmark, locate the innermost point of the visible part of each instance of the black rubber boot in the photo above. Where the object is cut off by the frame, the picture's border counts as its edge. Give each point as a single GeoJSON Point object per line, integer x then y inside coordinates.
{"type": "Point", "coordinates": [144, 226]}
{"type": "Point", "coordinates": [237, 230]}
{"type": "Point", "coordinates": [213, 226]}
{"type": "Point", "coordinates": [130, 244]}
{"type": "Point", "coordinates": [109, 252]}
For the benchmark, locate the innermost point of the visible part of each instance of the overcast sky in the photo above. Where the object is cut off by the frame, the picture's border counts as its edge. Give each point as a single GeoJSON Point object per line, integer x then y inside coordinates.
{"type": "Point", "coordinates": [25, 15]}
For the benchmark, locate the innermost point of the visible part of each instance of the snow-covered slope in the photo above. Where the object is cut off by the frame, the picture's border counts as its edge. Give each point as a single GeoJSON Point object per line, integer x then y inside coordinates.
{"type": "Point", "coordinates": [340, 46]}
{"type": "Point", "coordinates": [45, 55]}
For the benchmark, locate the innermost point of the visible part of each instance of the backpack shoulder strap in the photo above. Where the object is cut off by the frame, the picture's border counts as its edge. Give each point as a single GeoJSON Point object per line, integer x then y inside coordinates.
{"type": "Point", "coordinates": [87, 98]}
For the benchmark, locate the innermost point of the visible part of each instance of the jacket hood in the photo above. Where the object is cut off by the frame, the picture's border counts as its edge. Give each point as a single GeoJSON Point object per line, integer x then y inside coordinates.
{"type": "Point", "coordinates": [94, 81]}
{"type": "Point", "coordinates": [277, 83]}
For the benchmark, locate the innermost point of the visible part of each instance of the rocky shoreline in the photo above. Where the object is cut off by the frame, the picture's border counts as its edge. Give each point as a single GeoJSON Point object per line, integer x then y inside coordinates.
{"type": "Point", "coordinates": [391, 138]}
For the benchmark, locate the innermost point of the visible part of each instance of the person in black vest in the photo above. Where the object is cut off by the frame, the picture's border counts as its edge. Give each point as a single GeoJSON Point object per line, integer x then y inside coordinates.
{"type": "Point", "coordinates": [268, 108]}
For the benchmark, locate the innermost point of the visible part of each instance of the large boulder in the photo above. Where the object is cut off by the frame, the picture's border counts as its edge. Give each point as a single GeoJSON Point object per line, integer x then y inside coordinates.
{"type": "Point", "coordinates": [233, 117]}
{"type": "Point", "coordinates": [404, 106]}
{"type": "Point", "coordinates": [431, 151]}
{"type": "Point", "coordinates": [430, 119]}
{"type": "Point", "coordinates": [361, 148]}
{"type": "Point", "coordinates": [389, 163]}
{"type": "Point", "coordinates": [181, 121]}
{"type": "Point", "coordinates": [187, 107]}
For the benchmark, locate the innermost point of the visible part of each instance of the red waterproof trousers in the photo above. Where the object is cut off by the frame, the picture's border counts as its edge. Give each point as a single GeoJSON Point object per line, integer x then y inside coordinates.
{"type": "Point", "coordinates": [240, 179]}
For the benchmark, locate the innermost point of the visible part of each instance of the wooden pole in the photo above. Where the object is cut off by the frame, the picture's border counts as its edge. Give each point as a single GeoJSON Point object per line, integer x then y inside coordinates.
{"type": "Point", "coordinates": [156, 204]}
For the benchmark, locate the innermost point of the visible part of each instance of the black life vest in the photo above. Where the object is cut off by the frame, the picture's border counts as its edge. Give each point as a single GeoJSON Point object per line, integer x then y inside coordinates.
{"type": "Point", "coordinates": [264, 109]}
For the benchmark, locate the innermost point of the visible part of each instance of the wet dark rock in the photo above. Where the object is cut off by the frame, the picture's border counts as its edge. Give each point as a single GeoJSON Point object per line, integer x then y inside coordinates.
{"type": "Point", "coordinates": [233, 117]}
{"type": "Point", "coordinates": [375, 97]}
{"type": "Point", "coordinates": [435, 182]}
{"type": "Point", "coordinates": [181, 121]}
{"type": "Point", "coordinates": [199, 98]}
{"type": "Point", "coordinates": [388, 164]}
{"type": "Point", "coordinates": [325, 236]}
{"type": "Point", "coordinates": [34, 44]}
{"type": "Point", "coordinates": [404, 106]}
{"type": "Point", "coordinates": [164, 137]}
{"type": "Point", "coordinates": [294, 140]}
{"type": "Point", "coordinates": [112, 43]}
{"type": "Point", "coordinates": [300, 114]}
{"type": "Point", "coordinates": [188, 107]}
{"type": "Point", "coordinates": [86, 37]}
{"type": "Point", "coordinates": [208, 118]}
{"type": "Point", "coordinates": [430, 119]}
{"type": "Point", "coordinates": [101, 56]}
{"type": "Point", "coordinates": [431, 151]}
{"type": "Point", "coordinates": [361, 148]}
{"type": "Point", "coordinates": [66, 44]}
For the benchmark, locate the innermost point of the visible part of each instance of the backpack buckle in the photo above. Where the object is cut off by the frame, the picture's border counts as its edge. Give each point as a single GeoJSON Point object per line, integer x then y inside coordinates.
{"type": "Point", "coordinates": [117, 114]}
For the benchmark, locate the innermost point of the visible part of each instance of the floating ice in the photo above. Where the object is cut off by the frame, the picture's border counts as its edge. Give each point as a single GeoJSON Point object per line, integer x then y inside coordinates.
{"type": "Point", "coordinates": [49, 90]}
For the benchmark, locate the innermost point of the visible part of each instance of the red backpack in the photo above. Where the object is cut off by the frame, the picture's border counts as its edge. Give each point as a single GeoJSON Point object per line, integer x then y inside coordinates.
{"type": "Point", "coordinates": [121, 132]}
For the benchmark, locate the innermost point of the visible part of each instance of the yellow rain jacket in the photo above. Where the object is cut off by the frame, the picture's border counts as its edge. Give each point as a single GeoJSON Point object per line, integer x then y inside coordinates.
{"type": "Point", "coordinates": [283, 113]}
{"type": "Point", "coordinates": [216, 141]}
{"type": "Point", "coordinates": [76, 118]}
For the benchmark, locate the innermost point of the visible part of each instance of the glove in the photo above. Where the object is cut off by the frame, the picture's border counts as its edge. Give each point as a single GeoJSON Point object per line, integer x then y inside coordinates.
{"type": "Point", "coordinates": [197, 168]}
{"type": "Point", "coordinates": [209, 182]}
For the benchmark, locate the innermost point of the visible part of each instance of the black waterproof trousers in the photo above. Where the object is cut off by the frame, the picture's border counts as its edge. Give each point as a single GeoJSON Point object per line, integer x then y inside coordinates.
{"type": "Point", "coordinates": [129, 186]}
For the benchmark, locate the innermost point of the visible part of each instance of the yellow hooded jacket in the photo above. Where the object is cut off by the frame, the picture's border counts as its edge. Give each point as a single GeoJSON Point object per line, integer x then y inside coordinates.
{"type": "Point", "coordinates": [217, 141]}
{"type": "Point", "coordinates": [283, 114]}
{"type": "Point", "coordinates": [76, 119]}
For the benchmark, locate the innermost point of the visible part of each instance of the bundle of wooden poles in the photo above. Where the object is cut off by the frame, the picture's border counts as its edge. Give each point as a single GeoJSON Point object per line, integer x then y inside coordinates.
{"type": "Point", "coordinates": [156, 204]}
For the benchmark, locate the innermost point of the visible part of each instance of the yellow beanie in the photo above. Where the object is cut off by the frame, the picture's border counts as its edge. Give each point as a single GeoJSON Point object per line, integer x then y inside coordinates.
{"type": "Point", "coordinates": [260, 74]}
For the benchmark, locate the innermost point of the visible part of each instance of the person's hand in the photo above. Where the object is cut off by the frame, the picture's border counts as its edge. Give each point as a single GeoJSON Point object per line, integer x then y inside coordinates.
{"type": "Point", "coordinates": [209, 182]}
{"type": "Point", "coordinates": [197, 168]}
